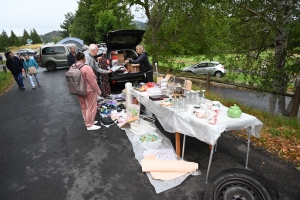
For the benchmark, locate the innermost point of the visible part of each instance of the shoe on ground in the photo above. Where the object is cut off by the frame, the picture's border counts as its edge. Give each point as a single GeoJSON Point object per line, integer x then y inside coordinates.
{"type": "Point", "coordinates": [22, 88]}
{"type": "Point", "coordinates": [39, 85]}
{"type": "Point", "coordinates": [92, 128]}
{"type": "Point", "coordinates": [95, 122]}
{"type": "Point", "coordinates": [33, 87]}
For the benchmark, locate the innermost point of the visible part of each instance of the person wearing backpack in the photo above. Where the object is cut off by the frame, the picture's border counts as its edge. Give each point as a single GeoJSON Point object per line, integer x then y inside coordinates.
{"type": "Point", "coordinates": [88, 102]}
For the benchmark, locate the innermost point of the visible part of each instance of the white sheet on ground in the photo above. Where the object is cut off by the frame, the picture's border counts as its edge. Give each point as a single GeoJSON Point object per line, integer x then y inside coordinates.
{"type": "Point", "coordinates": [165, 143]}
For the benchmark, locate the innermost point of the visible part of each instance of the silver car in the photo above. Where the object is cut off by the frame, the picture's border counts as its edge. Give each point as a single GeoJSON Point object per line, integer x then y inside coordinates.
{"type": "Point", "coordinates": [215, 68]}
{"type": "Point", "coordinates": [53, 56]}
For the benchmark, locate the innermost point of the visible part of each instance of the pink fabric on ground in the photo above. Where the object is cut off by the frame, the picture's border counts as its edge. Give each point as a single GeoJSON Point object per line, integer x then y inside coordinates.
{"type": "Point", "coordinates": [167, 169]}
{"type": "Point", "coordinates": [88, 104]}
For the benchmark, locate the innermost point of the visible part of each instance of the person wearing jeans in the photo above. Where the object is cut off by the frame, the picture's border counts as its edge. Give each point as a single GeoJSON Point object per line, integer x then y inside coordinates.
{"type": "Point", "coordinates": [31, 63]}
{"type": "Point", "coordinates": [14, 64]}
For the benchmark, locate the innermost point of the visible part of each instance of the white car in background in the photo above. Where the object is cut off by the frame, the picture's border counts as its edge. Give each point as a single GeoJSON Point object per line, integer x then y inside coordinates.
{"type": "Point", "coordinates": [215, 68]}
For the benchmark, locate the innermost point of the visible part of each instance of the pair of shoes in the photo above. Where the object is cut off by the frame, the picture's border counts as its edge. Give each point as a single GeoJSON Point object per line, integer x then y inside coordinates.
{"type": "Point", "coordinates": [95, 122]}
{"type": "Point", "coordinates": [92, 128]}
{"type": "Point", "coordinates": [33, 87]}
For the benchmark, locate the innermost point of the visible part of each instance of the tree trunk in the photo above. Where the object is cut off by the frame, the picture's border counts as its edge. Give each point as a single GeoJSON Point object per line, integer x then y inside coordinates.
{"type": "Point", "coordinates": [272, 103]}
{"type": "Point", "coordinates": [279, 82]}
{"type": "Point", "coordinates": [290, 105]}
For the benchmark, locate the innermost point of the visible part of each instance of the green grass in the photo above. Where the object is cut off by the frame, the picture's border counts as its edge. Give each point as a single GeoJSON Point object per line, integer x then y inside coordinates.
{"type": "Point", "coordinates": [5, 80]}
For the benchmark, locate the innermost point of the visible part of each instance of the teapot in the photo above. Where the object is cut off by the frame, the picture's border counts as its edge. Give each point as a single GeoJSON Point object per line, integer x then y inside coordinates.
{"type": "Point", "coordinates": [234, 111]}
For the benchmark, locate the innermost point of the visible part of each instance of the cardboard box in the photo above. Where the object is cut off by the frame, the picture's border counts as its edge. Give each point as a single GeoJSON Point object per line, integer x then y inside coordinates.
{"type": "Point", "coordinates": [120, 57]}
{"type": "Point", "coordinates": [133, 67]}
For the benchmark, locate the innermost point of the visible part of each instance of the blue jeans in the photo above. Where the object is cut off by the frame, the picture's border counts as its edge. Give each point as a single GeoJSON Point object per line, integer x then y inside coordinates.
{"type": "Point", "coordinates": [36, 78]}
{"type": "Point", "coordinates": [19, 79]}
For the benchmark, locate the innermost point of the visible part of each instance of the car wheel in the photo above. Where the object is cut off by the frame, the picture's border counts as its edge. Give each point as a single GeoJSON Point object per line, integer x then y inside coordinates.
{"type": "Point", "coordinates": [218, 74]}
{"type": "Point", "coordinates": [240, 184]}
{"type": "Point", "coordinates": [50, 66]}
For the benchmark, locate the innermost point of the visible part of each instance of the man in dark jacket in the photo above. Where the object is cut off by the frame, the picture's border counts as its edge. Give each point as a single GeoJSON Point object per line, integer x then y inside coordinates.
{"type": "Point", "coordinates": [71, 56]}
{"type": "Point", "coordinates": [15, 65]}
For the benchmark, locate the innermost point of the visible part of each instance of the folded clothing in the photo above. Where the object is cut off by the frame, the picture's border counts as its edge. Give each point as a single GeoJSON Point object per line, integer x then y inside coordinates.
{"type": "Point", "coordinates": [167, 169]}
{"type": "Point", "coordinates": [107, 120]}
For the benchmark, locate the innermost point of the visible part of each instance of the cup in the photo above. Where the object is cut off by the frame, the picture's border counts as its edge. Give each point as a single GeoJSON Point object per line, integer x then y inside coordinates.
{"type": "Point", "coordinates": [197, 101]}
{"type": "Point", "coordinates": [215, 109]}
{"type": "Point", "coordinates": [216, 104]}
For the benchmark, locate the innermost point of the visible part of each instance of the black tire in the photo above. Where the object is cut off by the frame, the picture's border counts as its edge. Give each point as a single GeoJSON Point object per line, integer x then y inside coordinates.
{"type": "Point", "coordinates": [50, 66]}
{"type": "Point", "coordinates": [218, 74]}
{"type": "Point", "coordinates": [240, 184]}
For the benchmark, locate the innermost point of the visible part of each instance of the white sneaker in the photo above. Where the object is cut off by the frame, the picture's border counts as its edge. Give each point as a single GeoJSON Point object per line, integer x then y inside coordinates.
{"type": "Point", "coordinates": [95, 122]}
{"type": "Point", "coordinates": [92, 128]}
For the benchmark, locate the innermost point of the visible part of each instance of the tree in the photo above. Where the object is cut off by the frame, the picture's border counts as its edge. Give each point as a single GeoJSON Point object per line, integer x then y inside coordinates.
{"type": "Point", "coordinates": [109, 16]}
{"type": "Point", "coordinates": [84, 24]}
{"type": "Point", "coordinates": [36, 39]}
{"type": "Point", "coordinates": [69, 20]}
{"type": "Point", "coordinates": [18, 41]}
{"type": "Point", "coordinates": [25, 37]}
{"type": "Point", "coordinates": [94, 18]}
{"type": "Point", "coordinates": [13, 39]}
{"type": "Point", "coordinates": [258, 27]}
{"type": "Point", "coordinates": [178, 28]}
{"type": "Point", "coordinates": [4, 43]}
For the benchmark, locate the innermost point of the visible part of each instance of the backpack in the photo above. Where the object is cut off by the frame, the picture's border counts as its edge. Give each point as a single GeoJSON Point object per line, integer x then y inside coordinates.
{"type": "Point", "coordinates": [75, 81]}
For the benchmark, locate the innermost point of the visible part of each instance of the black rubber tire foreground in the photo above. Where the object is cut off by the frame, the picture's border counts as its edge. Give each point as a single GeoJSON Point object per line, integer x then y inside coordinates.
{"type": "Point", "coordinates": [240, 184]}
{"type": "Point", "coordinates": [50, 66]}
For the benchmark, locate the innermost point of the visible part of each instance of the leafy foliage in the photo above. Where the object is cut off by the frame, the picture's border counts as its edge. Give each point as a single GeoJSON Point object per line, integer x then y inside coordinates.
{"type": "Point", "coordinates": [69, 20]}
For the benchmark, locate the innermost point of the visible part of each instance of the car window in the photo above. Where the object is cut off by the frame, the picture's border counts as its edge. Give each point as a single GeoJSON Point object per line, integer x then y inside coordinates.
{"type": "Point", "coordinates": [59, 50]}
{"type": "Point", "coordinates": [47, 51]}
{"type": "Point", "coordinates": [201, 65]}
{"type": "Point", "coordinates": [211, 64]}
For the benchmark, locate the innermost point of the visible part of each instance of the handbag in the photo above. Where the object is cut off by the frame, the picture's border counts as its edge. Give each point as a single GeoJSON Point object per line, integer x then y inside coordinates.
{"type": "Point", "coordinates": [32, 70]}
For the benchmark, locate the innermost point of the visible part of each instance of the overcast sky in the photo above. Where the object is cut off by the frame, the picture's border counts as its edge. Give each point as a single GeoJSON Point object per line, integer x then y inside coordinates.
{"type": "Point", "coordinates": [43, 15]}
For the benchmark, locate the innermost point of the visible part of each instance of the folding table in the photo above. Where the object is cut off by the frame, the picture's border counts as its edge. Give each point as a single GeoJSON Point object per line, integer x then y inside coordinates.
{"type": "Point", "coordinates": [180, 122]}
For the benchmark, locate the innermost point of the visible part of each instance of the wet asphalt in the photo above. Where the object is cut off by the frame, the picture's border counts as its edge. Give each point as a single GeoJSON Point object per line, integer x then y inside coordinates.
{"type": "Point", "coordinates": [47, 153]}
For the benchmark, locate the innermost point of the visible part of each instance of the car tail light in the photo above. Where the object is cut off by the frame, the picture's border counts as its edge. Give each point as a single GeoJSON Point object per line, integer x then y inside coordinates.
{"type": "Point", "coordinates": [114, 82]}
{"type": "Point", "coordinates": [223, 67]}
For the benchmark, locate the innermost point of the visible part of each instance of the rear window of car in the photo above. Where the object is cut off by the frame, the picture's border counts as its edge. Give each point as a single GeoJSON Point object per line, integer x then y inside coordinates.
{"type": "Point", "coordinates": [211, 64]}
{"type": "Point", "coordinates": [128, 39]}
{"type": "Point", "coordinates": [59, 50]}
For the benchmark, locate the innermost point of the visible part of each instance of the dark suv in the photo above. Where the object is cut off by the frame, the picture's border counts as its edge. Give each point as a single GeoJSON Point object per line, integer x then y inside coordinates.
{"type": "Point", "coordinates": [120, 46]}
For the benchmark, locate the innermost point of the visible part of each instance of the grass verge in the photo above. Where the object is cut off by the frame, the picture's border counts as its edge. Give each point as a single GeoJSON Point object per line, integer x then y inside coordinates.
{"type": "Point", "coordinates": [6, 81]}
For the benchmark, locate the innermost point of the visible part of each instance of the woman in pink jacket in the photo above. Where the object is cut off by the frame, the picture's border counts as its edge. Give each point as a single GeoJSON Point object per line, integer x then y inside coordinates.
{"type": "Point", "coordinates": [88, 102]}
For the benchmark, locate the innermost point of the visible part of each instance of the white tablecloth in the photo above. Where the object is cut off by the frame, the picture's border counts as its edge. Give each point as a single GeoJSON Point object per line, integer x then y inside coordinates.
{"type": "Point", "coordinates": [173, 120]}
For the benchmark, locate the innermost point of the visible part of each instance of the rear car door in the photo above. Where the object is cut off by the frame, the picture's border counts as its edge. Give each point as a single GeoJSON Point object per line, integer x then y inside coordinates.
{"type": "Point", "coordinates": [212, 68]}
{"type": "Point", "coordinates": [60, 55]}
{"type": "Point", "coordinates": [200, 68]}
